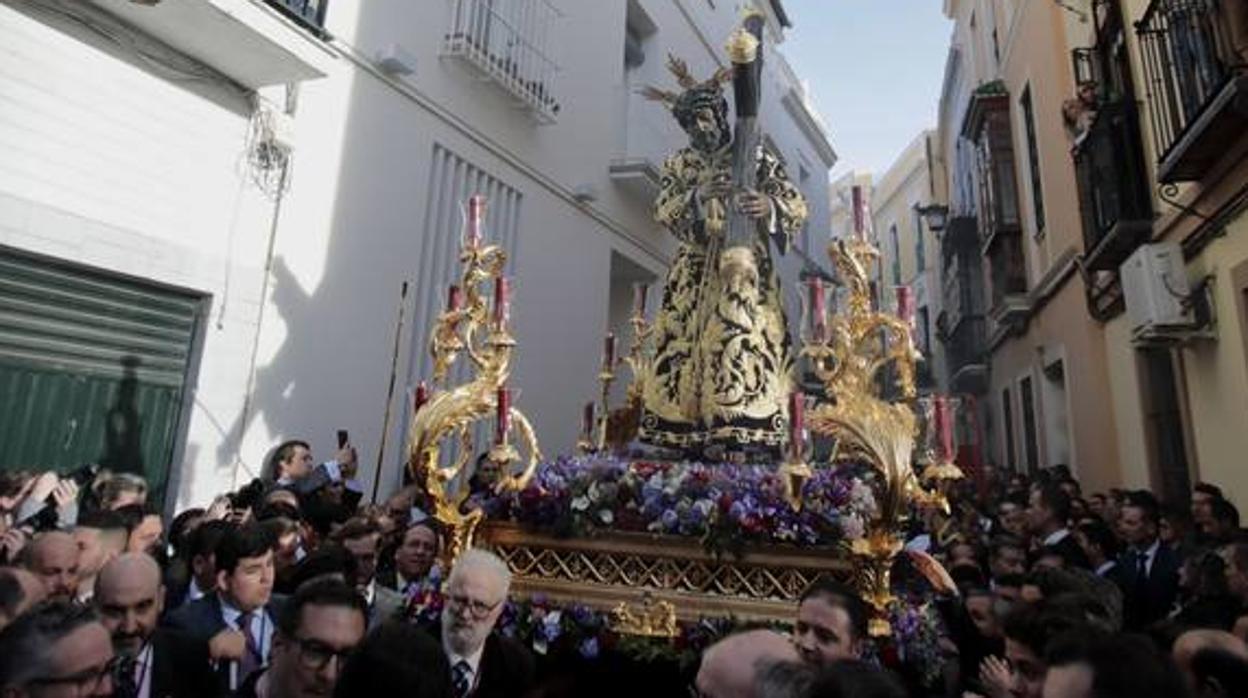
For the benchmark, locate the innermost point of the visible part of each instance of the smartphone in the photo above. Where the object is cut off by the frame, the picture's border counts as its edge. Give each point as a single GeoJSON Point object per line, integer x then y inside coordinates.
{"type": "Point", "coordinates": [342, 438]}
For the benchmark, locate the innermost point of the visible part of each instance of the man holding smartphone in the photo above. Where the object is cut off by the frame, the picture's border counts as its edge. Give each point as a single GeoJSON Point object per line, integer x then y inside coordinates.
{"type": "Point", "coordinates": [293, 468]}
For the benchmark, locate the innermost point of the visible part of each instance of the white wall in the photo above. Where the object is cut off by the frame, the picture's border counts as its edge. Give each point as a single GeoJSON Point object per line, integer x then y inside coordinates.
{"type": "Point", "coordinates": [110, 165]}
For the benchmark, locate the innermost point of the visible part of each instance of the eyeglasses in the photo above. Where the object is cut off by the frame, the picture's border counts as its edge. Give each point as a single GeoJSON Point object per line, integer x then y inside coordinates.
{"type": "Point", "coordinates": [316, 655]}
{"type": "Point", "coordinates": [86, 680]}
{"type": "Point", "coordinates": [476, 608]}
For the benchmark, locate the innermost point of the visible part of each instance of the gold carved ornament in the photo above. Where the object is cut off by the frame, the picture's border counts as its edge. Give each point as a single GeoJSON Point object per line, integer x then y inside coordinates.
{"type": "Point", "coordinates": [860, 343]}
{"type": "Point", "coordinates": [453, 412]}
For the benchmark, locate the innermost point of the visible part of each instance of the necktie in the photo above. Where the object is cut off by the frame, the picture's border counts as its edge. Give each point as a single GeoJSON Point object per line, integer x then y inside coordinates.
{"type": "Point", "coordinates": [461, 678]}
{"type": "Point", "coordinates": [125, 684]}
{"type": "Point", "coordinates": [251, 653]}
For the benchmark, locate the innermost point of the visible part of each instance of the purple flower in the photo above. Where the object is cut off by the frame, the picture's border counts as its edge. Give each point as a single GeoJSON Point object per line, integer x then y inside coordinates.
{"type": "Point", "coordinates": [670, 519]}
{"type": "Point", "coordinates": [589, 648]}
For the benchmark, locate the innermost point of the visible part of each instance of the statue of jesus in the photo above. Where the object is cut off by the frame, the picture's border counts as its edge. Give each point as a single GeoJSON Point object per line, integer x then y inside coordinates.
{"type": "Point", "coordinates": [720, 375]}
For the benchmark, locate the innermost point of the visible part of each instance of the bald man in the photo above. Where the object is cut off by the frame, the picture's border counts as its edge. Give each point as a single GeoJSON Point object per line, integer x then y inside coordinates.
{"type": "Point", "coordinates": [53, 558]}
{"type": "Point", "coordinates": [1208, 642]}
{"type": "Point", "coordinates": [731, 667]}
{"type": "Point", "coordinates": [130, 597]}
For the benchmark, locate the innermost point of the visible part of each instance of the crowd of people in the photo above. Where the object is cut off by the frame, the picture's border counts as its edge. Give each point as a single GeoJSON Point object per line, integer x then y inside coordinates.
{"type": "Point", "coordinates": [293, 587]}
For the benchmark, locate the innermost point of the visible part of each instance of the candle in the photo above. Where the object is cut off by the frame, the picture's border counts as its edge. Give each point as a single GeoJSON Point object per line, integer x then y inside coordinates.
{"type": "Point", "coordinates": [476, 214]}
{"type": "Point", "coordinates": [944, 429]}
{"type": "Point", "coordinates": [639, 299]}
{"type": "Point", "coordinates": [797, 424]}
{"type": "Point", "coordinates": [422, 396]}
{"type": "Point", "coordinates": [504, 416]}
{"type": "Point", "coordinates": [502, 302]}
{"type": "Point", "coordinates": [587, 420]}
{"type": "Point", "coordinates": [454, 299]}
{"type": "Point", "coordinates": [818, 311]}
{"type": "Point", "coordinates": [608, 352]}
{"type": "Point", "coordinates": [905, 303]}
{"type": "Point", "coordinates": [860, 218]}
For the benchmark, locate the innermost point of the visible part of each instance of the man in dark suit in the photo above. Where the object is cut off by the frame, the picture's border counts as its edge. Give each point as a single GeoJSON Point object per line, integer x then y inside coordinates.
{"type": "Point", "coordinates": [483, 663]}
{"type": "Point", "coordinates": [1048, 511]}
{"type": "Point", "coordinates": [293, 468]}
{"type": "Point", "coordinates": [239, 619]}
{"type": "Point", "coordinates": [318, 629]}
{"type": "Point", "coordinates": [361, 538]}
{"type": "Point", "coordinates": [157, 663]}
{"type": "Point", "coordinates": [1150, 569]}
{"type": "Point", "coordinates": [414, 560]}
{"type": "Point", "coordinates": [1102, 549]}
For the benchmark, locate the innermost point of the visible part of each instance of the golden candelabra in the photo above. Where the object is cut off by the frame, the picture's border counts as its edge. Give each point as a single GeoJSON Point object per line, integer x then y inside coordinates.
{"type": "Point", "coordinates": [638, 361]}
{"type": "Point", "coordinates": [467, 328]}
{"type": "Point", "coordinates": [848, 355]}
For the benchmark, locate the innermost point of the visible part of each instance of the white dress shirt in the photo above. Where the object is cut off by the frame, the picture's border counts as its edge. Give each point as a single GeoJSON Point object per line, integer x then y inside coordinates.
{"type": "Point", "coordinates": [262, 628]}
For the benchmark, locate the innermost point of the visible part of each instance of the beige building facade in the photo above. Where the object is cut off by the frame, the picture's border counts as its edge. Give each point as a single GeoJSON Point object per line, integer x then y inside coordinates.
{"type": "Point", "coordinates": [909, 250]}
{"type": "Point", "coordinates": [1016, 326]}
{"type": "Point", "coordinates": [1095, 169]}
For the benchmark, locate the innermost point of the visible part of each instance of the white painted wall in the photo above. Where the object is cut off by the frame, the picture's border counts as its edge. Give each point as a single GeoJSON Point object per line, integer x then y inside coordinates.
{"type": "Point", "coordinates": [108, 165]}
{"type": "Point", "coordinates": [146, 181]}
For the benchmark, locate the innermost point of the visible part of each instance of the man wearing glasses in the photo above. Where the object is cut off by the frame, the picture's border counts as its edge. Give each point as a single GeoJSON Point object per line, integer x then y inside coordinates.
{"type": "Point", "coordinates": [317, 630]}
{"type": "Point", "coordinates": [483, 663]}
{"type": "Point", "coordinates": [56, 649]}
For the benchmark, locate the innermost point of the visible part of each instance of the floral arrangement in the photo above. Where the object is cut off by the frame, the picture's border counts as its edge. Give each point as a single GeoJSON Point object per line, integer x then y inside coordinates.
{"type": "Point", "coordinates": [915, 647]}
{"type": "Point", "coordinates": [727, 506]}
{"type": "Point", "coordinates": [549, 628]}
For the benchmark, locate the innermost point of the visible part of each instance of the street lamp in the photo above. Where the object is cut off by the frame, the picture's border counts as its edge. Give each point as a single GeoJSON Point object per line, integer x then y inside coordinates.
{"type": "Point", "coordinates": [936, 216]}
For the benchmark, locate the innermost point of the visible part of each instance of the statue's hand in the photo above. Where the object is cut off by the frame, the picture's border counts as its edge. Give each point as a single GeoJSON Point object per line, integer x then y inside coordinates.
{"type": "Point", "coordinates": [754, 205]}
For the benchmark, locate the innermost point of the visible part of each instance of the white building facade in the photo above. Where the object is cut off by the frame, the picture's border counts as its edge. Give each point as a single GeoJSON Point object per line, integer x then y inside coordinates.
{"type": "Point", "coordinates": [274, 213]}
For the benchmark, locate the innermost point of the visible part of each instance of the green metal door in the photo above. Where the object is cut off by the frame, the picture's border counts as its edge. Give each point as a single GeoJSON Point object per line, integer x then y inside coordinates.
{"type": "Point", "coordinates": [92, 368]}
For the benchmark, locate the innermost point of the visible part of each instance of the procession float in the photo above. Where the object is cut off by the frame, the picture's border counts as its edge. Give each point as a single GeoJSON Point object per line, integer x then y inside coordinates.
{"type": "Point", "coordinates": [722, 487]}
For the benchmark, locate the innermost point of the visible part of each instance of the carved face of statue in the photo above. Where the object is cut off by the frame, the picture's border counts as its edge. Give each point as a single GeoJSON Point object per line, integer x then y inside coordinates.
{"type": "Point", "coordinates": [703, 114]}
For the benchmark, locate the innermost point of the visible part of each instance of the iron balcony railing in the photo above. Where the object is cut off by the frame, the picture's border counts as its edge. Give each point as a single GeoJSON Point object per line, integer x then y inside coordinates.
{"type": "Point", "coordinates": [1188, 59]}
{"type": "Point", "coordinates": [1115, 201]}
{"type": "Point", "coordinates": [309, 13]}
{"type": "Point", "coordinates": [966, 352]}
{"type": "Point", "coordinates": [509, 42]}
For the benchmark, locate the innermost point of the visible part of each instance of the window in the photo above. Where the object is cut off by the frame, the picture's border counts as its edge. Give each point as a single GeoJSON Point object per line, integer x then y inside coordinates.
{"type": "Point", "coordinates": [1033, 159]}
{"type": "Point", "coordinates": [1007, 426]}
{"type": "Point", "coordinates": [1030, 437]}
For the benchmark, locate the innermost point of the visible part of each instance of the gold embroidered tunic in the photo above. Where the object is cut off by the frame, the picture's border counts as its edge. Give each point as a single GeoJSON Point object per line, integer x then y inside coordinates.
{"type": "Point", "coordinates": [720, 374]}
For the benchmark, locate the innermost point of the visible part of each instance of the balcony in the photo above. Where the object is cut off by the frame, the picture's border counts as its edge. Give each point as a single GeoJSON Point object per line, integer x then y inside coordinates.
{"type": "Point", "coordinates": [966, 351]}
{"type": "Point", "coordinates": [1114, 196]}
{"type": "Point", "coordinates": [987, 125]}
{"type": "Point", "coordinates": [1010, 304]}
{"type": "Point", "coordinates": [508, 44]}
{"type": "Point", "coordinates": [1197, 86]}
{"type": "Point", "coordinates": [254, 43]}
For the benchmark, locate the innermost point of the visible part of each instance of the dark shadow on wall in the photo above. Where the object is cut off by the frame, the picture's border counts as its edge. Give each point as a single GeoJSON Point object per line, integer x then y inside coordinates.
{"type": "Point", "coordinates": [123, 426]}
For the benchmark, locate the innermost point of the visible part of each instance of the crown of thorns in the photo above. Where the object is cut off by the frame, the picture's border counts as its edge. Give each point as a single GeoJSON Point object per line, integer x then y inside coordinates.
{"type": "Point", "coordinates": [687, 82]}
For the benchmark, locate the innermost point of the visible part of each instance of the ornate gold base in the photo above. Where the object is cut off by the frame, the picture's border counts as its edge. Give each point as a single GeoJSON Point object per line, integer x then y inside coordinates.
{"type": "Point", "coordinates": [604, 571]}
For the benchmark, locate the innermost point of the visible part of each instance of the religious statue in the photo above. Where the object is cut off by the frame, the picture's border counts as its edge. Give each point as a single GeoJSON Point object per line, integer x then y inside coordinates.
{"type": "Point", "coordinates": [720, 375]}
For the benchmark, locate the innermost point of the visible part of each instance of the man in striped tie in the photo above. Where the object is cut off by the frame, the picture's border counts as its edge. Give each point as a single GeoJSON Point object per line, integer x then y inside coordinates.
{"type": "Point", "coordinates": [483, 663]}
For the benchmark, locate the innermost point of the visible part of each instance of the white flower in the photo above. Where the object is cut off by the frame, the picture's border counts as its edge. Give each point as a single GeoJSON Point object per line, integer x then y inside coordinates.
{"type": "Point", "coordinates": [606, 516]}
{"type": "Point", "coordinates": [852, 527]}
{"type": "Point", "coordinates": [862, 499]}
{"type": "Point", "coordinates": [581, 503]}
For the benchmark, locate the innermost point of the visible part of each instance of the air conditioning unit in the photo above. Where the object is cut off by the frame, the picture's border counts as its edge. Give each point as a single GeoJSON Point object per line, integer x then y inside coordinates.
{"type": "Point", "coordinates": [1157, 293]}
